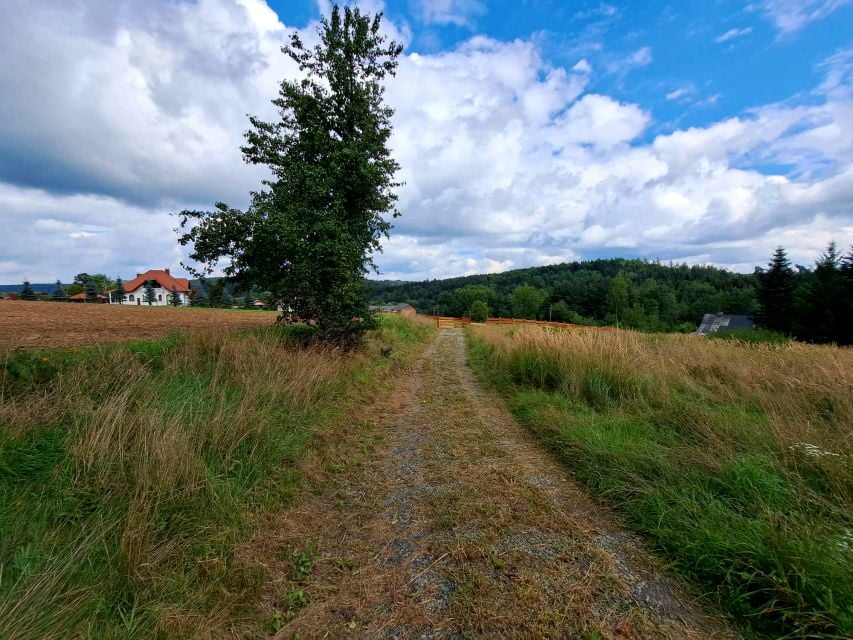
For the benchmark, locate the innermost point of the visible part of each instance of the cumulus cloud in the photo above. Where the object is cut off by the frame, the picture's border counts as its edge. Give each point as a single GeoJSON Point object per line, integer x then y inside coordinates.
{"type": "Point", "coordinates": [116, 113]}
{"type": "Point", "coordinates": [791, 15]}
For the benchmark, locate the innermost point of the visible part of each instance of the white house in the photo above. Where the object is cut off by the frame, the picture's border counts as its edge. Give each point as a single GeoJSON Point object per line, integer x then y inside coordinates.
{"type": "Point", "coordinates": [164, 283]}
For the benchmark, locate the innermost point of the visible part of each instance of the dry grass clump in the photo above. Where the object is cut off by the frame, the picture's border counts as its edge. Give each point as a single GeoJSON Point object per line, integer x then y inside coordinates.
{"type": "Point", "coordinates": [735, 458]}
{"type": "Point", "coordinates": [129, 473]}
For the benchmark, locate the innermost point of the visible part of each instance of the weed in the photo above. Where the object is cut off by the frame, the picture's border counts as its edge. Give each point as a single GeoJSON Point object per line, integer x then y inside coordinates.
{"type": "Point", "coordinates": [734, 458]}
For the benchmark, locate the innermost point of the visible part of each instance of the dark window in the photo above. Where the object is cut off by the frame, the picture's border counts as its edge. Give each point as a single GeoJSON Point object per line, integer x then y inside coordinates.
{"type": "Point", "coordinates": [130, 297]}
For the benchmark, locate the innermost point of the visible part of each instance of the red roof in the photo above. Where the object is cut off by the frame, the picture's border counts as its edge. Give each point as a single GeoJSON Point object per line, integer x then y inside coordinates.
{"type": "Point", "coordinates": [82, 296]}
{"type": "Point", "coordinates": [163, 278]}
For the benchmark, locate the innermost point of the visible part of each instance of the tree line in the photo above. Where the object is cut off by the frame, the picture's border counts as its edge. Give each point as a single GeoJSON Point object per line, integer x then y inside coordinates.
{"type": "Point", "coordinates": [811, 304]}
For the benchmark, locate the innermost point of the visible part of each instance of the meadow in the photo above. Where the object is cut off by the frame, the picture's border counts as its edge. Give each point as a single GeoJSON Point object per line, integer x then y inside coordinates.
{"type": "Point", "coordinates": [735, 460]}
{"type": "Point", "coordinates": [130, 473]}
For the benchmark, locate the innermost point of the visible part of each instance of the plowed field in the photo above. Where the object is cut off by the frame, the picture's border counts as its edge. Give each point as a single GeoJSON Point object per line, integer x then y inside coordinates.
{"type": "Point", "coordinates": [60, 324]}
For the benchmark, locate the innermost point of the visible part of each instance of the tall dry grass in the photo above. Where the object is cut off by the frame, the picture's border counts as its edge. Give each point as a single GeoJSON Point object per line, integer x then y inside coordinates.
{"type": "Point", "coordinates": [736, 459]}
{"type": "Point", "coordinates": [129, 473]}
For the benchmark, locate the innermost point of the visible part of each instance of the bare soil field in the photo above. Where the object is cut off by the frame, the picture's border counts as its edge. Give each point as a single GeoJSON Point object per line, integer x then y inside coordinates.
{"type": "Point", "coordinates": [63, 324]}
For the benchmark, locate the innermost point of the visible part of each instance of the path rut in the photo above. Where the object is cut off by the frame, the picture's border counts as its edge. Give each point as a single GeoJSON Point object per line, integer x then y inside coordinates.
{"type": "Point", "coordinates": [455, 523]}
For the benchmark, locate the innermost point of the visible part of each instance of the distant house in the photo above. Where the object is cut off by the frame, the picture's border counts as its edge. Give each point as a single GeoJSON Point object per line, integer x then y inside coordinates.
{"type": "Point", "coordinates": [713, 322]}
{"type": "Point", "coordinates": [163, 282]}
{"type": "Point", "coordinates": [81, 297]}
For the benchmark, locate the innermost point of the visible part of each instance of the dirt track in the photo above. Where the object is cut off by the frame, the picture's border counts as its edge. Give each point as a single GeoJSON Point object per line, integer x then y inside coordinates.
{"type": "Point", "coordinates": [442, 518]}
{"type": "Point", "coordinates": [61, 324]}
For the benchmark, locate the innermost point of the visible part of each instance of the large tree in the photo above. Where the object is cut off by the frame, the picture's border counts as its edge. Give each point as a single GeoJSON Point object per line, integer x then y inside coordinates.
{"type": "Point", "coordinates": [310, 233]}
{"type": "Point", "coordinates": [27, 292]}
{"type": "Point", "coordinates": [776, 288]}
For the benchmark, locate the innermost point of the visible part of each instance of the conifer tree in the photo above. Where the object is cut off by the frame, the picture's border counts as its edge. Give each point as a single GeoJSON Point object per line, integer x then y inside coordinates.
{"type": "Point", "coordinates": [119, 292]}
{"type": "Point", "coordinates": [27, 292]}
{"type": "Point", "coordinates": [58, 294]}
{"type": "Point", "coordinates": [826, 302]}
{"type": "Point", "coordinates": [776, 288]}
{"type": "Point", "coordinates": [176, 297]}
{"type": "Point", "coordinates": [91, 290]}
{"type": "Point", "coordinates": [149, 296]}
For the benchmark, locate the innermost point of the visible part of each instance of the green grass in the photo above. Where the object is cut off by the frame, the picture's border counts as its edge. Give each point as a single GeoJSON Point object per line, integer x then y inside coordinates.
{"type": "Point", "coordinates": [130, 473]}
{"type": "Point", "coordinates": [699, 470]}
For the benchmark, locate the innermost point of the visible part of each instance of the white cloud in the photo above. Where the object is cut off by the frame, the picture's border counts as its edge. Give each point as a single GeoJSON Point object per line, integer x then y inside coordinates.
{"type": "Point", "coordinates": [791, 15]}
{"type": "Point", "coordinates": [641, 57]}
{"type": "Point", "coordinates": [732, 34]}
{"type": "Point", "coordinates": [507, 162]}
{"type": "Point", "coordinates": [458, 12]}
{"type": "Point", "coordinates": [682, 93]}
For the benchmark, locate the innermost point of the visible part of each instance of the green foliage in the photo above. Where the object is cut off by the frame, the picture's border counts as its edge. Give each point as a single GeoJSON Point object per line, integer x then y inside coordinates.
{"type": "Point", "coordinates": [660, 297]}
{"type": "Point", "coordinates": [27, 292]}
{"type": "Point", "coordinates": [703, 478]}
{"type": "Point", "coordinates": [130, 474]}
{"type": "Point", "coordinates": [309, 235]}
{"type": "Point", "coordinates": [618, 298]}
{"type": "Point", "coordinates": [149, 295]}
{"type": "Point", "coordinates": [479, 311]}
{"type": "Point", "coordinates": [119, 293]}
{"type": "Point", "coordinates": [527, 301]}
{"type": "Point", "coordinates": [58, 294]}
{"type": "Point", "coordinates": [175, 299]}
{"type": "Point", "coordinates": [91, 290]}
{"type": "Point", "coordinates": [101, 282]}
{"type": "Point", "coordinates": [775, 294]}
{"type": "Point", "coordinates": [752, 336]}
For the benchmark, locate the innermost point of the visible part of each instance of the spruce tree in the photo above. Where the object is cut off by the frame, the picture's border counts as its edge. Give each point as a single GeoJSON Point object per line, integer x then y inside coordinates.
{"type": "Point", "coordinates": [149, 296]}
{"type": "Point", "coordinates": [776, 287]}
{"type": "Point", "coordinates": [826, 302]}
{"type": "Point", "coordinates": [176, 297]}
{"type": "Point", "coordinates": [27, 292]}
{"type": "Point", "coordinates": [58, 294]}
{"type": "Point", "coordinates": [91, 290]}
{"type": "Point", "coordinates": [119, 292]}
{"type": "Point", "coordinates": [309, 235]}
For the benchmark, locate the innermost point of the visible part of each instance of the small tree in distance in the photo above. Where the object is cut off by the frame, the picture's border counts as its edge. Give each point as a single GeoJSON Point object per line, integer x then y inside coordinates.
{"type": "Point", "coordinates": [91, 290]}
{"type": "Point", "coordinates": [58, 294]}
{"type": "Point", "coordinates": [119, 292]}
{"type": "Point", "coordinates": [150, 297]}
{"type": "Point", "coordinates": [479, 311]}
{"type": "Point", "coordinates": [176, 297]}
{"type": "Point", "coordinates": [27, 292]}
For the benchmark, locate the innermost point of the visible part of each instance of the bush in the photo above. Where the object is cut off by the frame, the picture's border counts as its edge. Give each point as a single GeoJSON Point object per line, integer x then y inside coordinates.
{"type": "Point", "coordinates": [479, 311]}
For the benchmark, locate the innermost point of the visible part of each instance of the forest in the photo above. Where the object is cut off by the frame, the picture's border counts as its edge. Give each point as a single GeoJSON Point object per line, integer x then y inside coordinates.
{"type": "Point", "coordinates": [810, 303]}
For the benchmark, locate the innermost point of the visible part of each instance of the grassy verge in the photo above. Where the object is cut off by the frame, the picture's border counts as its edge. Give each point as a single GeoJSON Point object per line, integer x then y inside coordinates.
{"type": "Point", "coordinates": [734, 459]}
{"type": "Point", "coordinates": [128, 474]}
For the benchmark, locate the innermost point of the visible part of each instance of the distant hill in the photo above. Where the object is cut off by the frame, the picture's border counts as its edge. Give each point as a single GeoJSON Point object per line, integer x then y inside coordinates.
{"type": "Point", "coordinates": [38, 287]}
{"type": "Point", "coordinates": [649, 295]}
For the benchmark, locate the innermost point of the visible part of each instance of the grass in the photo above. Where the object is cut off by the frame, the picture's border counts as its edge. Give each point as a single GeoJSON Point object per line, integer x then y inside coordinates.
{"type": "Point", "coordinates": [734, 459]}
{"type": "Point", "coordinates": [129, 473]}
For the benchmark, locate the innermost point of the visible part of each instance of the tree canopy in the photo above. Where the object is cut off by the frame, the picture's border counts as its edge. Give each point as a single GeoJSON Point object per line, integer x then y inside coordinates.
{"type": "Point", "coordinates": [309, 234]}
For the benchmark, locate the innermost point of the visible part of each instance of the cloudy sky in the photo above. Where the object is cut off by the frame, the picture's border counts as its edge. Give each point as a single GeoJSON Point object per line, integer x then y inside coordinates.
{"type": "Point", "coordinates": [529, 131]}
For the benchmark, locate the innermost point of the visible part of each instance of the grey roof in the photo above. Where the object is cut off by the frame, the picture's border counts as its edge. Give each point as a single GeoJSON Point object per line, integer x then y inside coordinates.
{"type": "Point", "coordinates": [713, 322]}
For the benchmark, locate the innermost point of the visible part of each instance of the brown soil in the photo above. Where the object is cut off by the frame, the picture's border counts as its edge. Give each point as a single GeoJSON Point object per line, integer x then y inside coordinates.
{"type": "Point", "coordinates": [66, 324]}
{"type": "Point", "coordinates": [440, 517]}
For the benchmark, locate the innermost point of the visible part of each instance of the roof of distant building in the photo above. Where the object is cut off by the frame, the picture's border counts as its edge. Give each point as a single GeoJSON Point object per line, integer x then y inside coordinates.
{"type": "Point", "coordinates": [713, 322]}
{"type": "Point", "coordinates": [161, 277]}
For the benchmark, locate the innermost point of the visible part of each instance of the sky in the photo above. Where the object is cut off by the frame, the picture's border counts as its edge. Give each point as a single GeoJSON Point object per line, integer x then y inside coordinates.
{"type": "Point", "coordinates": [529, 132]}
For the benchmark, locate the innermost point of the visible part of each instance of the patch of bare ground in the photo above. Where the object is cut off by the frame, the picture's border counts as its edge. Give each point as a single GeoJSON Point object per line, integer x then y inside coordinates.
{"type": "Point", "coordinates": [439, 517]}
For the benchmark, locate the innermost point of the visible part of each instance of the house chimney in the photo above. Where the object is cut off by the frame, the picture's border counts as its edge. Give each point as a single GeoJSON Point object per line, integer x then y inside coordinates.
{"type": "Point", "coordinates": [138, 275]}
{"type": "Point", "coordinates": [167, 270]}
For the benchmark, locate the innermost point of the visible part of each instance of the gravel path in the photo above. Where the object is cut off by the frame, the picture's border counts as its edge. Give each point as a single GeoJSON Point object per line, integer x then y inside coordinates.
{"type": "Point", "coordinates": [454, 523]}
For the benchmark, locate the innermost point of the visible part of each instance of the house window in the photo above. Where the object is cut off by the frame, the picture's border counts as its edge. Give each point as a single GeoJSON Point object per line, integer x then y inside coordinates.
{"type": "Point", "coordinates": [130, 297]}
{"type": "Point", "coordinates": [160, 297]}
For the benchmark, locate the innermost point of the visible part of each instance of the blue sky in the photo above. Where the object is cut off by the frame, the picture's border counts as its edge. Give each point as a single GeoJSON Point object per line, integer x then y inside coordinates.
{"type": "Point", "coordinates": [529, 132]}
